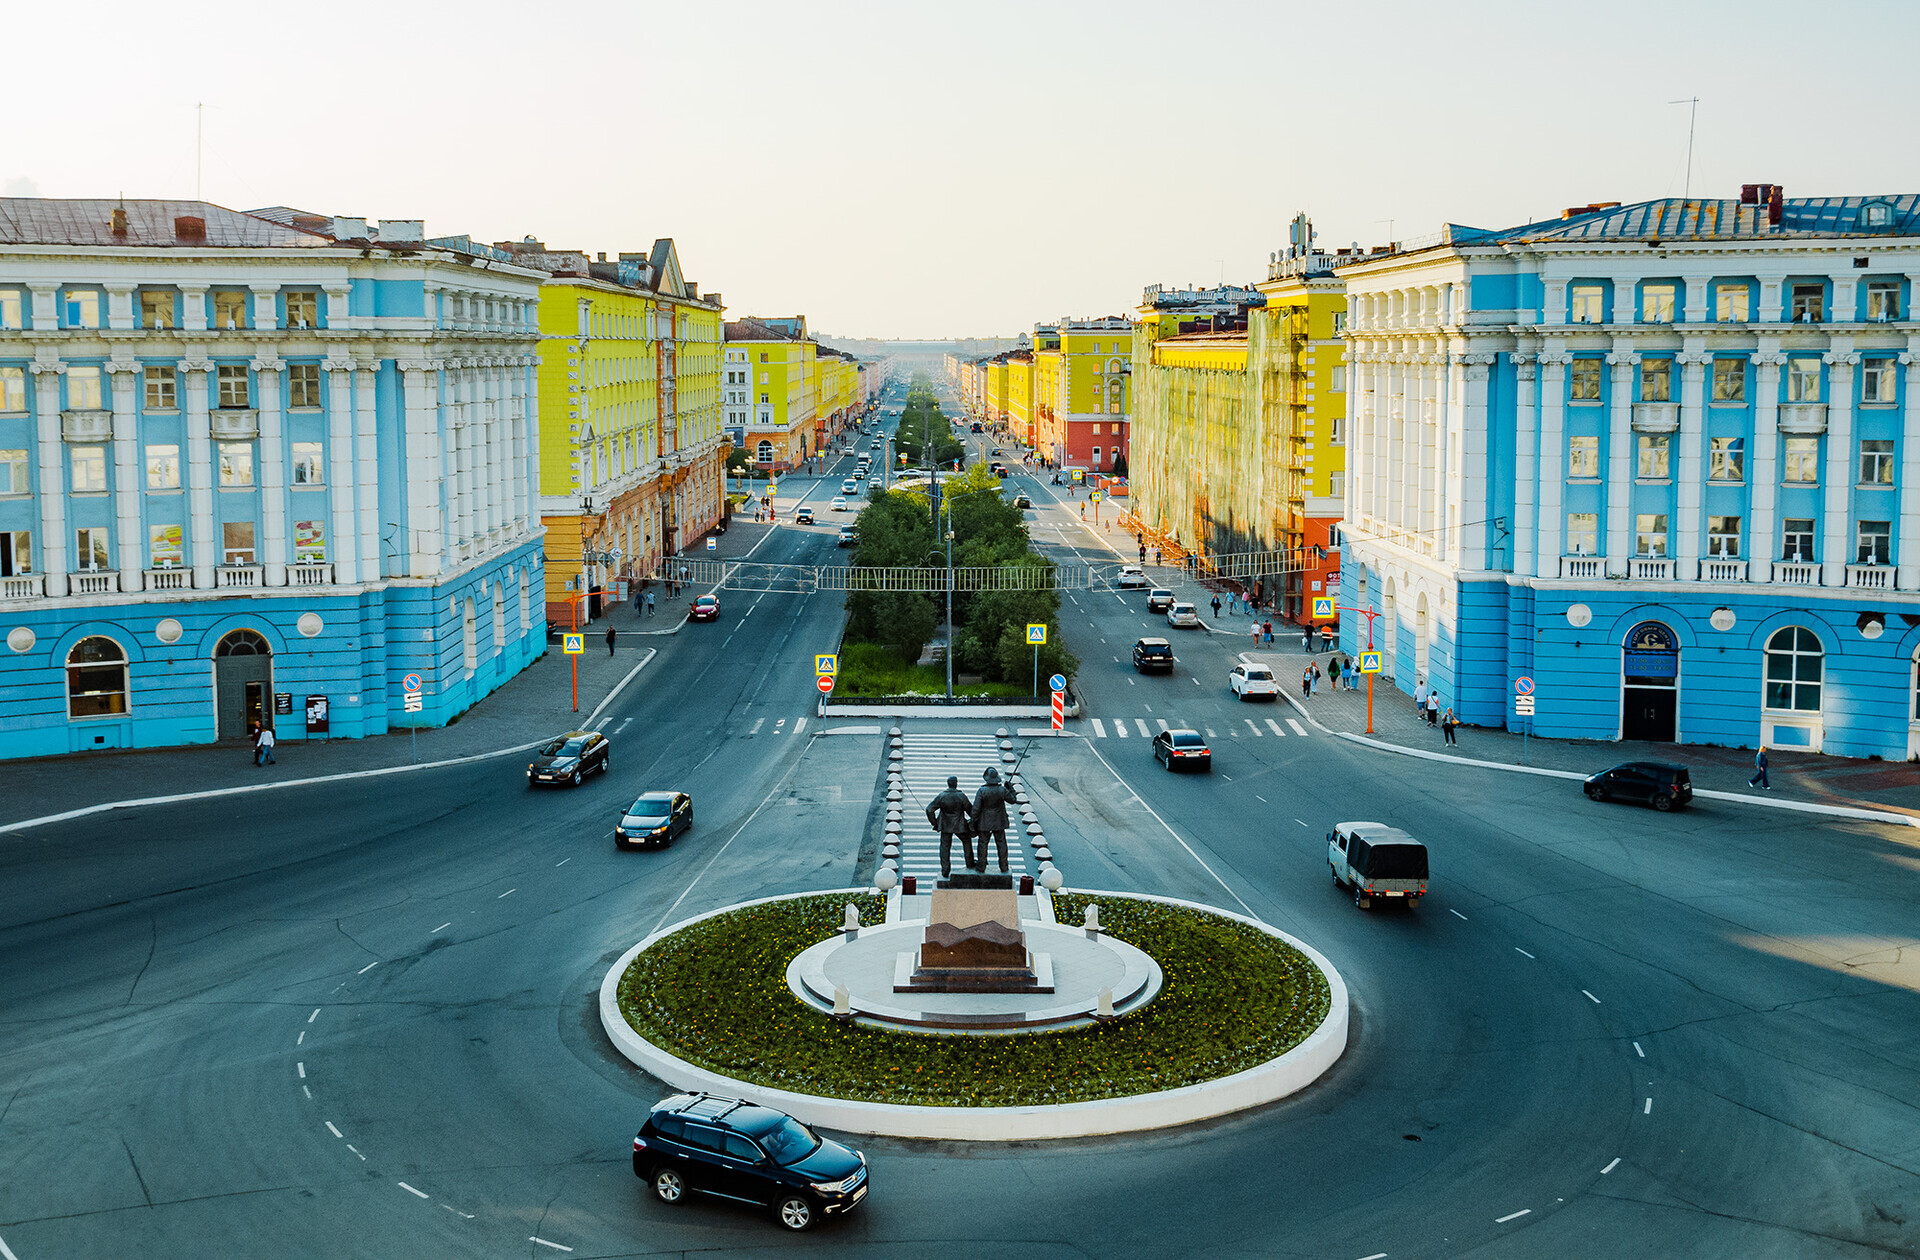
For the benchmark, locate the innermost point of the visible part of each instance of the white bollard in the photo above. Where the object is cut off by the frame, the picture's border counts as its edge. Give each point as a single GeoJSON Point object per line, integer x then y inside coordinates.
{"type": "Point", "coordinates": [843, 1005]}
{"type": "Point", "coordinates": [887, 879]}
{"type": "Point", "coordinates": [1093, 917]}
{"type": "Point", "coordinates": [1103, 1011]}
{"type": "Point", "coordinates": [853, 919]}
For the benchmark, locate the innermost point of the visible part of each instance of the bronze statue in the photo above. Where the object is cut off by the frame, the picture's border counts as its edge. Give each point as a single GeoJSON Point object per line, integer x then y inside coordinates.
{"type": "Point", "coordinates": [990, 817]}
{"type": "Point", "coordinates": [950, 814]}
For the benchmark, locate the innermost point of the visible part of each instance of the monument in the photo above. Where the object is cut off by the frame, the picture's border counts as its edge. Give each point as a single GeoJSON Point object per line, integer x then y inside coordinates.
{"type": "Point", "coordinates": [974, 943]}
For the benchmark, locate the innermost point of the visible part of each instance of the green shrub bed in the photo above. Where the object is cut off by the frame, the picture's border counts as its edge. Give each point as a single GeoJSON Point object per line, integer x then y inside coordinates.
{"type": "Point", "coordinates": [715, 995]}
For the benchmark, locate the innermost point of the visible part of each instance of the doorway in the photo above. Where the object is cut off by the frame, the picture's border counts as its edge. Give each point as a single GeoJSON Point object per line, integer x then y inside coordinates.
{"type": "Point", "coordinates": [1650, 684]}
{"type": "Point", "coordinates": [242, 684]}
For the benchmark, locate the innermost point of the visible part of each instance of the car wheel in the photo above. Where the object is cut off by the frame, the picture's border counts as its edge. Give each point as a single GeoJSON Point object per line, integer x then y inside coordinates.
{"type": "Point", "coordinates": [1663, 801]}
{"type": "Point", "coordinates": [1595, 791]}
{"type": "Point", "coordinates": [576, 778]}
{"type": "Point", "coordinates": [669, 1186]}
{"type": "Point", "coordinates": [1360, 898]}
{"type": "Point", "coordinates": [1336, 876]}
{"type": "Point", "coordinates": [794, 1212]}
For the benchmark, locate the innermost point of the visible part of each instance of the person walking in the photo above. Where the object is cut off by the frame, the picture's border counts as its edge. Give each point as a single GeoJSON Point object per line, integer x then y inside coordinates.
{"type": "Point", "coordinates": [1447, 725]}
{"type": "Point", "coordinates": [1433, 706]}
{"type": "Point", "coordinates": [1216, 608]}
{"type": "Point", "coordinates": [951, 814]}
{"type": "Point", "coordinates": [1350, 674]}
{"type": "Point", "coordinates": [263, 746]}
{"type": "Point", "coordinates": [1306, 681]}
{"type": "Point", "coordinates": [611, 635]}
{"type": "Point", "coordinates": [1760, 779]}
{"type": "Point", "coordinates": [649, 603]}
{"type": "Point", "coordinates": [1267, 629]}
{"type": "Point", "coordinates": [1306, 638]}
{"type": "Point", "coordinates": [1419, 697]}
{"type": "Point", "coordinates": [1256, 632]}
{"type": "Point", "coordinates": [1315, 667]}
{"type": "Point", "coordinates": [990, 818]}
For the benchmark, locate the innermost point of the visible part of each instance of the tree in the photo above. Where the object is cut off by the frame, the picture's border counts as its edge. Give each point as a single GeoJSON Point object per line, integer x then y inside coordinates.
{"type": "Point", "coordinates": [1119, 465]}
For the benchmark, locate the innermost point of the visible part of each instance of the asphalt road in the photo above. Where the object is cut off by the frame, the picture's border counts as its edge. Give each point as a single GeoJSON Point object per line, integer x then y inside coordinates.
{"type": "Point", "coordinates": [346, 1023]}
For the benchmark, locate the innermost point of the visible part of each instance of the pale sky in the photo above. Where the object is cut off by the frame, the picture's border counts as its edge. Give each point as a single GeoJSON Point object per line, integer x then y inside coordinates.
{"type": "Point", "coordinates": [905, 169]}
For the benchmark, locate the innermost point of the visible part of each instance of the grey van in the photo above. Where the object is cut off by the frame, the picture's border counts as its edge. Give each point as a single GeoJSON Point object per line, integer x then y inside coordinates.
{"type": "Point", "coordinates": [1376, 860]}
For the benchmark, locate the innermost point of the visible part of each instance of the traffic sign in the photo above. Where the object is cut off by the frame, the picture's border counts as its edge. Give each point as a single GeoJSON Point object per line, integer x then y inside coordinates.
{"type": "Point", "coordinates": [1059, 710]}
{"type": "Point", "coordinates": [411, 682]}
{"type": "Point", "coordinates": [826, 664]}
{"type": "Point", "coordinates": [1523, 685]}
{"type": "Point", "coordinates": [1369, 662]}
{"type": "Point", "coordinates": [573, 644]}
{"type": "Point", "coordinates": [713, 544]}
{"type": "Point", "coordinates": [1523, 706]}
{"type": "Point", "coordinates": [1036, 633]}
{"type": "Point", "coordinates": [1058, 682]}
{"type": "Point", "coordinates": [825, 684]}
{"type": "Point", "coordinates": [1322, 608]}
{"type": "Point", "coordinates": [1095, 496]}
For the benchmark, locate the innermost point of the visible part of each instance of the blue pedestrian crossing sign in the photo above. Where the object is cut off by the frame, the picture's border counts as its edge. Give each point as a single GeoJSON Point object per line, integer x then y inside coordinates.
{"type": "Point", "coordinates": [1322, 608]}
{"type": "Point", "coordinates": [826, 665]}
{"type": "Point", "coordinates": [573, 644]}
{"type": "Point", "coordinates": [1036, 633]}
{"type": "Point", "coordinates": [1058, 682]}
{"type": "Point", "coordinates": [1369, 662]}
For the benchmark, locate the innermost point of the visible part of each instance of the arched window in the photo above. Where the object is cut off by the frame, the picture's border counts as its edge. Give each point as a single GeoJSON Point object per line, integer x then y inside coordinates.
{"type": "Point", "coordinates": [1794, 662]}
{"type": "Point", "coordinates": [469, 637]}
{"type": "Point", "coordinates": [526, 605]}
{"type": "Point", "coordinates": [499, 619]}
{"type": "Point", "coordinates": [96, 678]}
{"type": "Point", "coordinates": [243, 643]}
{"type": "Point", "coordinates": [764, 452]}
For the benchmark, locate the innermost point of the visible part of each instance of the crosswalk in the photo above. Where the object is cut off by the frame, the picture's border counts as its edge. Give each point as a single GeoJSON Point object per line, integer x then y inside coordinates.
{"type": "Point", "coordinates": [1248, 728]}
{"type": "Point", "coordinates": [928, 758]}
{"type": "Point", "coordinates": [780, 727]}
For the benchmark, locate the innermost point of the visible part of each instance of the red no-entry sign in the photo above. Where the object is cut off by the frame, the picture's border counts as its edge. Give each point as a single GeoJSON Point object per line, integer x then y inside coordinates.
{"type": "Point", "coordinates": [826, 683]}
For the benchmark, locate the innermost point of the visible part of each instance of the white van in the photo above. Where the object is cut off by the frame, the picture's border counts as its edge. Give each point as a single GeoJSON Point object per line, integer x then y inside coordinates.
{"type": "Point", "coordinates": [1376, 860]}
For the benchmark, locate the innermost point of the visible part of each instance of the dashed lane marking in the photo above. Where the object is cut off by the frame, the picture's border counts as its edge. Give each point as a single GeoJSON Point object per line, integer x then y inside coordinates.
{"type": "Point", "coordinates": [1637, 1050]}
{"type": "Point", "coordinates": [369, 967]}
{"type": "Point", "coordinates": [507, 893]}
{"type": "Point", "coordinates": [1648, 1109]}
{"type": "Point", "coordinates": [1591, 998]}
{"type": "Point", "coordinates": [302, 1068]}
{"type": "Point", "coordinates": [1610, 1167]}
{"type": "Point", "coordinates": [301, 1039]}
{"type": "Point", "coordinates": [1456, 914]}
{"type": "Point", "coordinates": [447, 924]}
{"type": "Point", "coordinates": [1512, 1216]}
{"type": "Point", "coordinates": [307, 1092]}
{"type": "Point", "coordinates": [336, 1132]}
{"type": "Point", "coordinates": [314, 1016]}
{"type": "Point", "coordinates": [457, 1212]}
{"type": "Point", "coordinates": [1518, 950]}
{"type": "Point", "coordinates": [544, 1243]}
{"type": "Point", "coordinates": [356, 1151]}
{"type": "Point", "coordinates": [562, 862]}
{"type": "Point", "coordinates": [410, 1190]}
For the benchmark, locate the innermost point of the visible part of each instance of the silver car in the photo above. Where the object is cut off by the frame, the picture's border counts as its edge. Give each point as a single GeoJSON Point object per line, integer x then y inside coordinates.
{"type": "Point", "coordinates": [1183, 615]}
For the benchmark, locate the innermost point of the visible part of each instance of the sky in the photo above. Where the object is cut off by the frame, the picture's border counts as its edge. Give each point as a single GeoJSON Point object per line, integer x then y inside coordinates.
{"type": "Point", "coordinates": [914, 170]}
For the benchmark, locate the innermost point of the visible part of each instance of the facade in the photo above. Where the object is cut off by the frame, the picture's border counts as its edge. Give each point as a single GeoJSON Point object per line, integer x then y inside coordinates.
{"type": "Point", "coordinates": [633, 448]}
{"type": "Point", "coordinates": [836, 390]}
{"type": "Point", "coordinates": [258, 468]}
{"type": "Point", "coordinates": [1663, 459]}
{"type": "Point", "coordinates": [778, 362]}
{"type": "Point", "coordinates": [1082, 392]}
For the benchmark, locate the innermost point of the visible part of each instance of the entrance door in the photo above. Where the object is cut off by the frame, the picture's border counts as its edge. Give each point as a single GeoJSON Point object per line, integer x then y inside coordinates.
{"type": "Point", "coordinates": [1649, 714]}
{"type": "Point", "coordinates": [1650, 683]}
{"type": "Point", "coordinates": [242, 684]}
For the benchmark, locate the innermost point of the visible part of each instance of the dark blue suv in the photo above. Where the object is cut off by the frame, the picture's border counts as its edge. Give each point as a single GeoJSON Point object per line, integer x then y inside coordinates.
{"type": "Point", "coordinates": [736, 1150]}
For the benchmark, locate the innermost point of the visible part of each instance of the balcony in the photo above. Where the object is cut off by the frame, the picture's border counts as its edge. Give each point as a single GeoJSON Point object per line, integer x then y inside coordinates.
{"type": "Point", "coordinates": [1807, 419]}
{"type": "Point", "coordinates": [1870, 577]}
{"type": "Point", "coordinates": [239, 575]}
{"type": "Point", "coordinates": [25, 586]}
{"type": "Point", "coordinates": [171, 578]}
{"type": "Point", "coordinates": [86, 426]}
{"type": "Point", "coordinates": [1585, 568]}
{"type": "Point", "coordinates": [1723, 570]}
{"type": "Point", "coordinates": [309, 574]}
{"type": "Point", "coordinates": [1650, 569]}
{"type": "Point", "coordinates": [232, 424]}
{"type": "Point", "coordinates": [1796, 573]}
{"type": "Point", "coordinates": [94, 583]}
{"type": "Point", "coordinates": [1656, 417]}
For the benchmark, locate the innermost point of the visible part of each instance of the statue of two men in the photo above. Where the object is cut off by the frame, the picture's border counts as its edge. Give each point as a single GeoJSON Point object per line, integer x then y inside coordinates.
{"type": "Point", "coordinates": [951, 814]}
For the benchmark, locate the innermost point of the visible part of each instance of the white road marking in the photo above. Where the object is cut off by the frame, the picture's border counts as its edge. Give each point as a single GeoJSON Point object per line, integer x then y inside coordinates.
{"type": "Point", "coordinates": [1099, 729]}
{"type": "Point", "coordinates": [314, 1016]}
{"type": "Point", "coordinates": [1591, 998]}
{"type": "Point", "coordinates": [307, 1092]}
{"type": "Point", "coordinates": [623, 726]}
{"type": "Point", "coordinates": [1512, 1216]}
{"type": "Point", "coordinates": [1275, 728]}
{"type": "Point", "coordinates": [457, 1212]}
{"type": "Point", "coordinates": [1196, 682]}
{"type": "Point", "coordinates": [1260, 798]}
{"type": "Point", "coordinates": [1518, 950]}
{"type": "Point", "coordinates": [369, 967]}
{"type": "Point", "coordinates": [447, 924]}
{"type": "Point", "coordinates": [301, 1039]}
{"type": "Point", "coordinates": [1225, 779]}
{"type": "Point", "coordinates": [544, 1243]}
{"type": "Point", "coordinates": [303, 1070]}
{"type": "Point", "coordinates": [1161, 723]}
{"type": "Point", "coordinates": [333, 1130]}
{"type": "Point", "coordinates": [410, 1190]}
{"type": "Point", "coordinates": [1610, 1167]}
{"type": "Point", "coordinates": [800, 724]}
{"type": "Point", "coordinates": [356, 1151]}
{"type": "Point", "coordinates": [562, 862]}
{"type": "Point", "coordinates": [1120, 728]}
{"type": "Point", "coordinates": [1297, 728]}
{"type": "Point", "coordinates": [1456, 914]}
{"type": "Point", "coordinates": [1648, 1109]}
{"type": "Point", "coordinates": [6, 1253]}
{"type": "Point", "coordinates": [757, 724]}
{"type": "Point", "coordinates": [1142, 724]}
{"type": "Point", "coordinates": [507, 893]}
{"type": "Point", "coordinates": [1131, 683]}
{"type": "Point", "coordinates": [1210, 734]}
{"type": "Point", "coordinates": [1637, 1050]}
{"type": "Point", "coordinates": [1256, 730]}
{"type": "Point", "coordinates": [1378, 1255]}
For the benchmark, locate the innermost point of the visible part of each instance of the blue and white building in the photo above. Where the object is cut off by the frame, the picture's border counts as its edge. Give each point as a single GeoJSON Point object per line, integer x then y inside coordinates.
{"type": "Point", "coordinates": [1663, 459]}
{"type": "Point", "coordinates": [258, 457]}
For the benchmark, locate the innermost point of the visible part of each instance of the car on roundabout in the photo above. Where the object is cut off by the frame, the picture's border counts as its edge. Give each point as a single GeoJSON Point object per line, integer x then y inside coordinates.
{"type": "Point", "coordinates": [1159, 599]}
{"type": "Point", "coordinates": [803, 516]}
{"type": "Point", "coordinates": [1132, 578]}
{"type": "Point", "coordinates": [653, 820]}
{"type": "Point", "coordinates": [1152, 655]}
{"type": "Point", "coordinates": [730, 1149]}
{"type": "Point", "coordinates": [839, 504]}
{"type": "Point", "coordinates": [569, 758]}
{"type": "Point", "coordinates": [1249, 681]}
{"type": "Point", "coordinates": [1183, 616]}
{"type": "Point", "coordinates": [1179, 748]}
{"type": "Point", "coordinates": [705, 608]}
{"type": "Point", "coordinates": [1661, 784]}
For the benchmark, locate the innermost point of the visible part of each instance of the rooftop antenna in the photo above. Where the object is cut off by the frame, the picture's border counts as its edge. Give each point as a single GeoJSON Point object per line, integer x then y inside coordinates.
{"type": "Point", "coordinates": [1693, 108]}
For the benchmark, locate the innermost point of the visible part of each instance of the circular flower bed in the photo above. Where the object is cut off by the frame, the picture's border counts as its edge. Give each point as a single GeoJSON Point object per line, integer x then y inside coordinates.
{"type": "Point", "coordinates": [715, 995]}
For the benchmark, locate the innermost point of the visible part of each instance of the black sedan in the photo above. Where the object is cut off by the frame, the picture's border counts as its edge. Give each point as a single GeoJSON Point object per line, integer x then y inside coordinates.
{"type": "Point", "coordinates": [1660, 784]}
{"type": "Point", "coordinates": [750, 1154]}
{"type": "Point", "coordinates": [653, 820]}
{"type": "Point", "coordinates": [569, 758]}
{"type": "Point", "coordinates": [1181, 749]}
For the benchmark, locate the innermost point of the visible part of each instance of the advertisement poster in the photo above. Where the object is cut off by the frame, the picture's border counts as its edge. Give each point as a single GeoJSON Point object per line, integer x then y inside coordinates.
{"type": "Point", "coordinates": [309, 542]}
{"type": "Point", "coordinates": [164, 541]}
{"type": "Point", "coordinates": [316, 715]}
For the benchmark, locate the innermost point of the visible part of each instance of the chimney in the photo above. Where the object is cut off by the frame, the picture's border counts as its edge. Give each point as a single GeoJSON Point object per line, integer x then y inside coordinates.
{"type": "Point", "coordinates": [602, 257]}
{"type": "Point", "coordinates": [189, 227]}
{"type": "Point", "coordinates": [1776, 204]}
{"type": "Point", "coordinates": [119, 221]}
{"type": "Point", "coordinates": [349, 229]}
{"type": "Point", "coordinates": [402, 230]}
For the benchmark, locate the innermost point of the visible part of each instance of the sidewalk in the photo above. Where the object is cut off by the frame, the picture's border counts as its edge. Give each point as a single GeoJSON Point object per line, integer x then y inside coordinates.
{"type": "Point", "coordinates": [1809, 778]}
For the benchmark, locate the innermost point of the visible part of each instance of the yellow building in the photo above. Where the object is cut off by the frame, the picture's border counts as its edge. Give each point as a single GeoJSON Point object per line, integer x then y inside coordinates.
{"type": "Point", "coordinates": [1083, 392]}
{"type": "Point", "coordinates": [632, 452]}
{"type": "Point", "coordinates": [1020, 395]}
{"type": "Point", "coordinates": [798, 395]}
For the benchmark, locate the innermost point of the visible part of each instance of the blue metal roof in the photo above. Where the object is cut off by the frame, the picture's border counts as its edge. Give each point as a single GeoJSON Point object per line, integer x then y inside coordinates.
{"type": "Point", "coordinates": [1675, 218]}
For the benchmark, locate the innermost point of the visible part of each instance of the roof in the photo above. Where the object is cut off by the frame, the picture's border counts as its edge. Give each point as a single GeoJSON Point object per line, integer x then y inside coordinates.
{"type": "Point", "coordinates": [150, 224]}
{"type": "Point", "coordinates": [754, 330]}
{"type": "Point", "coordinates": [1377, 833]}
{"type": "Point", "coordinates": [1699, 219]}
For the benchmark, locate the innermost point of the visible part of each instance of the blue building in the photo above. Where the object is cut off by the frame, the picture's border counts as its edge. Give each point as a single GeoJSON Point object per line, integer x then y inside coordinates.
{"type": "Point", "coordinates": [1662, 459]}
{"type": "Point", "coordinates": [258, 468]}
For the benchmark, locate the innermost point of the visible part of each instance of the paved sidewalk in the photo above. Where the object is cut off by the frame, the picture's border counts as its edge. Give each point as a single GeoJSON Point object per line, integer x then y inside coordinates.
{"type": "Point", "coordinates": [1810, 778]}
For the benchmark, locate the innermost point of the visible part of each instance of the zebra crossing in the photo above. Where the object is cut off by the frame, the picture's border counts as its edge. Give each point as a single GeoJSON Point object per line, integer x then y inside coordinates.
{"type": "Point", "coordinates": [1248, 728]}
{"type": "Point", "coordinates": [927, 759]}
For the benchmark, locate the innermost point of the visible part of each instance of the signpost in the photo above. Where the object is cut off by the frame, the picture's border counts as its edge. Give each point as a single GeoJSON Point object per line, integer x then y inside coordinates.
{"type": "Point", "coordinates": [573, 644]}
{"type": "Point", "coordinates": [826, 665]}
{"type": "Point", "coordinates": [713, 544]}
{"type": "Point", "coordinates": [1059, 684]}
{"type": "Point", "coordinates": [1036, 635]}
{"type": "Point", "coordinates": [411, 703]}
{"type": "Point", "coordinates": [825, 683]}
{"type": "Point", "coordinates": [1322, 608]}
{"type": "Point", "coordinates": [1369, 662]}
{"type": "Point", "coordinates": [1523, 707]}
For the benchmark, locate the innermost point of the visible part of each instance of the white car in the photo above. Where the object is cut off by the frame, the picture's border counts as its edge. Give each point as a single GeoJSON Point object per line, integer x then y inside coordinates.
{"type": "Point", "coordinates": [1248, 681]}
{"type": "Point", "coordinates": [873, 483]}
{"type": "Point", "coordinates": [1132, 577]}
{"type": "Point", "coordinates": [838, 505]}
{"type": "Point", "coordinates": [849, 486]}
{"type": "Point", "coordinates": [1183, 615]}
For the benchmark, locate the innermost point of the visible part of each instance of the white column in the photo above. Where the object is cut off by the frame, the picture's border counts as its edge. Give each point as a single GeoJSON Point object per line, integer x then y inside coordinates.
{"type": "Point", "coordinates": [500, 455]}
{"type": "Point", "coordinates": [1468, 483]}
{"type": "Point", "coordinates": [342, 530]}
{"type": "Point", "coordinates": [1620, 459]}
{"type": "Point", "coordinates": [1526, 465]}
{"type": "Point", "coordinates": [526, 405]}
{"type": "Point", "coordinates": [1689, 487]}
{"type": "Point", "coordinates": [338, 299]}
{"type": "Point", "coordinates": [127, 480]}
{"type": "Point", "coordinates": [53, 471]}
{"type": "Point", "coordinates": [1842, 468]}
{"type": "Point", "coordinates": [1553, 443]}
{"type": "Point", "coordinates": [427, 541]}
{"type": "Point", "coordinates": [193, 306]}
{"type": "Point", "coordinates": [120, 312]}
{"type": "Point", "coordinates": [1907, 540]}
{"type": "Point", "coordinates": [1763, 471]}
{"type": "Point", "coordinates": [459, 454]}
{"type": "Point", "coordinates": [194, 375]}
{"type": "Point", "coordinates": [273, 471]}
{"type": "Point", "coordinates": [366, 441]}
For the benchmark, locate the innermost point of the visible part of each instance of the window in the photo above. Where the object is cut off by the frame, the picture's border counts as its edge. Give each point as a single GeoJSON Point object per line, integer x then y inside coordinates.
{"type": "Point", "coordinates": [1729, 380]}
{"type": "Point", "coordinates": [1875, 545]}
{"type": "Point", "coordinates": [1794, 659]}
{"type": "Point", "coordinates": [156, 309]}
{"type": "Point", "coordinates": [230, 308]}
{"type": "Point", "coordinates": [1803, 459]}
{"type": "Point", "coordinates": [236, 539]}
{"type": "Point", "coordinates": [1589, 303]}
{"type": "Point", "coordinates": [96, 678]}
{"type": "Point", "coordinates": [1656, 380]}
{"type": "Point", "coordinates": [1809, 303]}
{"type": "Point", "coordinates": [234, 390]}
{"type": "Point", "coordinates": [1723, 537]}
{"type": "Point", "coordinates": [13, 473]}
{"type": "Point", "coordinates": [89, 550]}
{"type": "Point", "coordinates": [1803, 380]}
{"type": "Point", "coordinates": [83, 308]}
{"type": "Point", "coordinates": [1879, 214]}
{"type": "Point", "coordinates": [1337, 378]}
{"type": "Point", "coordinates": [1336, 430]}
{"type": "Point", "coordinates": [1583, 456]}
{"type": "Point", "coordinates": [764, 452]}
{"type": "Point", "coordinates": [763, 357]}
{"type": "Point", "coordinates": [1726, 459]}
{"type": "Point", "coordinates": [162, 388]}
{"type": "Point", "coordinates": [1730, 303]}
{"type": "Point", "coordinates": [1650, 534]}
{"type": "Point", "coordinates": [1654, 448]}
{"type": "Point", "coordinates": [89, 469]}
{"type": "Point", "coordinates": [1883, 302]}
{"type": "Point", "coordinates": [163, 467]}
{"type": "Point", "coordinates": [1878, 384]}
{"type": "Point", "coordinates": [236, 464]}
{"type": "Point", "coordinates": [164, 546]}
{"type": "Point", "coordinates": [303, 385]}
{"type": "Point", "coordinates": [13, 389]}
{"type": "Point", "coordinates": [10, 308]}
{"type": "Point", "coordinates": [306, 464]}
{"type": "Point", "coordinates": [1336, 484]}
{"type": "Point", "coordinates": [303, 309]}
{"type": "Point", "coordinates": [1876, 462]}
{"type": "Point", "coordinates": [16, 553]}
{"type": "Point", "coordinates": [1096, 455]}
{"type": "Point", "coordinates": [1583, 533]}
{"type": "Point", "coordinates": [309, 542]}
{"type": "Point", "coordinates": [1583, 380]}
{"type": "Point", "coordinates": [83, 389]}
{"type": "Point", "coordinates": [1796, 539]}
{"type": "Point", "coordinates": [1656, 303]}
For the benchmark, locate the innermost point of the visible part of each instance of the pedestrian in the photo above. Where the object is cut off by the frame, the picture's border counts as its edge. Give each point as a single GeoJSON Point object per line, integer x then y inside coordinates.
{"type": "Point", "coordinates": [1216, 608]}
{"type": "Point", "coordinates": [1306, 638]}
{"type": "Point", "coordinates": [1315, 667]}
{"type": "Point", "coordinates": [1433, 706]}
{"type": "Point", "coordinates": [951, 814]}
{"type": "Point", "coordinates": [611, 634]}
{"type": "Point", "coordinates": [1760, 779]}
{"type": "Point", "coordinates": [1143, 553]}
{"type": "Point", "coordinates": [649, 603]}
{"type": "Point", "coordinates": [1352, 677]}
{"type": "Point", "coordinates": [1447, 724]}
{"type": "Point", "coordinates": [1256, 633]}
{"type": "Point", "coordinates": [1419, 697]}
{"type": "Point", "coordinates": [1306, 681]}
{"type": "Point", "coordinates": [1267, 628]}
{"type": "Point", "coordinates": [263, 746]}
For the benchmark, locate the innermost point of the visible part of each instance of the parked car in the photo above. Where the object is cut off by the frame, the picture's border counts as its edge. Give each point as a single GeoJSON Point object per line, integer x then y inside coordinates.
{"type": "Point", "coordinates": [1376, 860]}
{"type": "Point", "coordinates": [1248, 681]}
{"type": "Point", "coordinates": [1179, 748]}
{"type": "Point", "coordinates": [653, 820]}
{"type": "Point", "coordinates": [803, 516]}
{"type": "Point", "coordinates": [705, 608]}
{"type": "Point", "coordinates": [839, 504]}
{"type": "Point", "coordinates": [1132, 577]}
{"type": "Point", "coordinates": [569, 758]}
{"type": "Point", "coordinates": [1159, 599]}
{"type": "Point", "coordinates": [735, 1150]}
{"type": "Point", "coordinates": [1150, 655]}
{"type": "Point", "coordinates": [1183, 615]}
{"type": "Point", "coordinates": [846, 535]}
{"type": "Point", "coordinates": [1660, 784]}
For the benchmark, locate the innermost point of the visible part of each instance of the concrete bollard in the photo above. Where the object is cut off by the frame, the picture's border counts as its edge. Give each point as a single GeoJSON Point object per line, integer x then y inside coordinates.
{"type": "Point", "coordinates": [1104, 1010]}
{"type": "Point", "coordinates": [1093, 920]}
{"type": "Point", "coordinates": [852, 924]}
{"type": "Point", "coordinates": [843, 1004]}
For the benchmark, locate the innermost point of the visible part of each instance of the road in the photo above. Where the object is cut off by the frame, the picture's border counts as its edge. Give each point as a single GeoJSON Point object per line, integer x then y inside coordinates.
{"type": "Point", "coordinates": [362, 1023]}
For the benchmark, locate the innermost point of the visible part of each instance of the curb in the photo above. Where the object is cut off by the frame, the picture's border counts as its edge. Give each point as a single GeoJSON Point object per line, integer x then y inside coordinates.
{"type": "Point", "coordinates": [1265, 1083]}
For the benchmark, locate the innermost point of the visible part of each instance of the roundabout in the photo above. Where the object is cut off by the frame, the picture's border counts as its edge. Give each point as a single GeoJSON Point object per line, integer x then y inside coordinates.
{"type": "Point", "coordinates": [1242, 1015]}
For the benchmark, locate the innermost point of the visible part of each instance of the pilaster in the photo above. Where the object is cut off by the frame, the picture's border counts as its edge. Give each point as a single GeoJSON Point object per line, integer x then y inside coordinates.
{"type": "Point", "coordinates": [1526, 464]}
{"type": "Point", "coordinates": [1690, 485]}
{"type": "Point", "coordinates": [1620, 458]}
{"type": "Point", "coordinates": [1907, 539]}
{"type": "Point", "coordinates": [1553, 445]}
{"type": "Point", "coordinates": [53, 470]}
{"type": "Point", "coordinates": [1841, 469]}
{"type": "Point", "coordinates": [341, 531]}
{"type": "Point", "coordinates": [129, 547]}
{"type": "Point", "coordinates": [427, 540]}
{"type": "Point", "coordinates": [366, 440]}
{"type": "Point", "coordinates": [273, 471]}
{"type": "Point", "coordinates": [194, 375]}
{"type": "Point", "coordinates": [1764, 475]}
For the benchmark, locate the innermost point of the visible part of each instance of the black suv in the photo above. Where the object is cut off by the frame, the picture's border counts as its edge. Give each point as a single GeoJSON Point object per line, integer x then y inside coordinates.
{"type": "Point", "coordinates": [1152, 654]}
{"type": "Point", "coordinates": [1660, 784]}
{"type": "Point", "coordinates": [736, 1150]}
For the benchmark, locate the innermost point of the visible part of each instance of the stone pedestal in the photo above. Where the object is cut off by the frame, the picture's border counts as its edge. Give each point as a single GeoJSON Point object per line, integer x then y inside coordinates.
{"type": "Point", "coordinates": [973, 943]}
